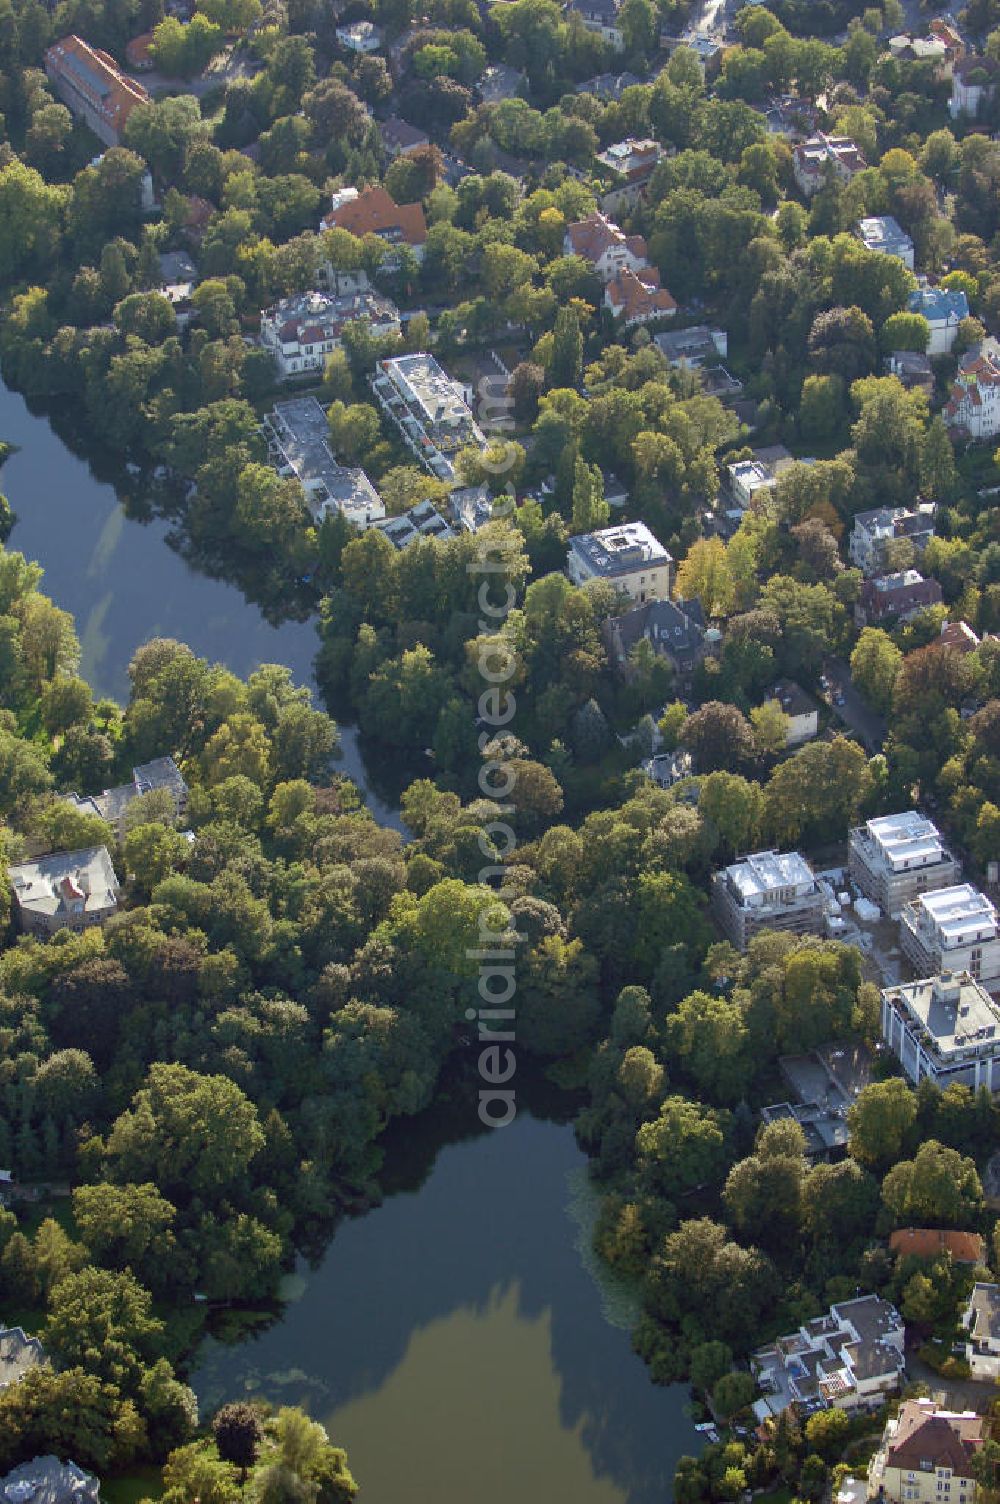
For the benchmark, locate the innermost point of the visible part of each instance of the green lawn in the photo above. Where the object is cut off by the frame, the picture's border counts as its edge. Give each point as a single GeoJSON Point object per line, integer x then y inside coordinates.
{"type": "Point", "coordinates": [129, 1488]}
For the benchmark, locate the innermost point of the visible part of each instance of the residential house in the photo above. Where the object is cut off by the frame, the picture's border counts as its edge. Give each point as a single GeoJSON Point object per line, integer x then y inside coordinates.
{"type": "Point", "coordinates": [895, 858]}
{"type": "Point", "coordinates": [421, 521]}
{"type": "Point", "coordinates": [932, 1242]}
{"type": "Point", "coordinates": [606, 246]}
{"type": "Point", "coordinates": [849, 1359]}
{"type": "Point", "coordinates": [631, 165]}
{"type": "Point", "coordinates": [114, 804]}
{"type": "Point", "coordinates": [873, 533]}
{"type": "Point", "coordinates": [908, 48]}
{"type": "Point", "coordinates": [18, 1355]}
{"type": "Point", "coordinates": [499, 82]}
{"type": "Point", "coordinates": [981, 1320]}
{"type": "Point", "coordinates": [676, 629]}
{"type": "Point", "coordinates": [926, 1456]}
{"type": "Point", "coordinates": [912, 368]}
{"type": "Point", "coordinates": [429, 410]}
{"type": "Point", "coordinates": [67, 890]}
{"type": "Point", "coordinates": [790, 116]}
{"type": "Point", "coordinates": [360, 36]}
{"type": "Point", "coordinates": [668, 768]}
{"type": "Point", "coordinates": [301, 331]}
{"type": "Point", "coordinates": [813, 159]}
{"type": "Point", "coordinates": [93, 87]}
{"type": "Point", "coordinates": [767, 890]}
{"type": "Point", "coordinates": [601, 16]}
{"type": "Point", "coordinates": [895, 597]}
{"type": "Point", "coordinates": [628, 556]}
{"type": "Point", "coordinates": [944, 308]}
{"type": "Point", "coordinates": [609, 86]}
{"type": "Point", "coordinates": [880, 232]}
{"type": "Point", "coordinates": [745, 479]}
{"type": "Point", "coordinates": [298, 444]}
{"type": "Point", "coordinates": [973, 84]}
{"type": "Point", "coordinates": [373, 211]}
{"type": "Point", "coordinates": [952, 930]}
{"type": "Point", "coordinates": [959, 636]}
{"type": "Point", "coordinates": [695, 347]}
{"type": "Point", "coordinates": [800, 709]}
{"type": "Point", "coordinates": [974, 405]}
{"type": "Point", "coordinates": [47, 1480]}
{"type": "Point", "coordinates": [471, 507]}
{"type": "Point", "coordinates": [399, 137]}
{"type": "Point", "coordinates": [945, 1029]}
{"type": "Point", "coordinates": [946, 30]}
{"type": "Point", "coordinates": [637, 298]}
{"type": "Point", "coordinates": [138, 53]}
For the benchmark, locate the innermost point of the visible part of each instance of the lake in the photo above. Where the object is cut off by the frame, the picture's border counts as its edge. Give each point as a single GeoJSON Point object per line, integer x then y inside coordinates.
{"type": "Point", "coordinates": [123, 581]}
{"type": "Point", "coordinates": [458, 1339]}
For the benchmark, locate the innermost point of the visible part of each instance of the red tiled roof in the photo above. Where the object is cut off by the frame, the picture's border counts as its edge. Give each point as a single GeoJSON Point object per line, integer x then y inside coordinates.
{"type": "Point", "coordinates": [592, 236]}
{"type": "Point", "coordinates": [640, 295]}
{"type": "Point", "coordinates": [942, 1440]}
{"type": "Point", "coordinates": [137, 52]}
{"type": "Point", "coordinates": [374, 212]}
{"type": "Point", "coordinates": [928, 1242]}
{"type": "Point", "coordinates": [94, 76]}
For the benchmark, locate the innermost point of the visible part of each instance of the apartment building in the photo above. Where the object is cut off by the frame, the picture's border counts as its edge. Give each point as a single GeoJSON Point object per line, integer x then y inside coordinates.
{"type": "Point", "coordinates": [926, 1456]}
{"type": "Point", "coordinates": [628, 556]}
{"type": "Point", "coordinates": [952, 930]}
{"type": "Point", "coordinates": [67, 890]}
{"type": "Point", "coordinates": [768, 890]}
{"type": "Point", "coordinates": [873, 531]}
{"type": "Point", "coordinates": [944, 308]}
{"type": "Point", "coordinates": [849, 1359]}
{"type": "Point", "coordinates": [946, 1028]}
{"type": "Point", "coordinates": [93, 87]}
{"type": "Point", "coordinates": [973, 85]}
{"type": "Point", "coordinates": [428, 408]}
{"type": "Point", "coordinates": [298, 444]}
{"type": "Point", "coordinates": [421, 521]}
{"type": "Point", "coordinates": [300, 332]}
{"type": "Point", "coordinates": [895, 858]}
{"type": "Point", "coordinates": [981, 1320]}
{"type": "Point", "coordinates": [974, 405]}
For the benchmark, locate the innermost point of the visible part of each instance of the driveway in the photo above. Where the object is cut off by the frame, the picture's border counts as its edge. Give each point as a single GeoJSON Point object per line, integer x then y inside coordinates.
{"type": "Point", "coordinates": [856, 713]}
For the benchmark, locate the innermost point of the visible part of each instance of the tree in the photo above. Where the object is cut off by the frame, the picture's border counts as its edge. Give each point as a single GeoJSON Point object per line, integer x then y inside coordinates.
{"type": "Point", "coordinates": [102, 1321]}
{"type": "Point", "coordinates": [733, 1392]}
{"type": "Point", "coordinates": [705, 576]}
{"type": "Point", "coordinates": [818, 792]}
{"type": "Point", "coordinates": [590, 510]}
{"type": "Point", "coordinates": [734, 807]}
{"type": "Point", "coordinates": [938, 1188]}
{"type": "Point", "coordinates": [238, 1434]}
{"type": "Point", "coordinates": [770, 727]}
{"type": "Point", "coordinates": [682, 1148]}
{"type": "Point", "coordinates": [880, 1121]}
{"type": "Point", "coordinates": [718, 736]}
{"type": "Point", "coordinates": [566, 361]}
{"type": "Point", "coordinates": [708, 1035]}
{"type": "Point", "coordinates": [875, 665]}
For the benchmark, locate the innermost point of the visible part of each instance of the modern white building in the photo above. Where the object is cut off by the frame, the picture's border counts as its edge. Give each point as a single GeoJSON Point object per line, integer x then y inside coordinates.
{"type": "Point", "coordinates": [981, 1319]}
{"type": "Point", "coordinates": [298, 444]}
{"type": "Point", "coordinates": [768, 890]}
{"type": "Point", "coordinates": [746, 479]}
{"type": "Point", "coordinates": [895, 858]}
{"type": "Point", "coordinates": [849, 1359]}
{"type": "Point", "coordinates": [360, 36]}
{"type": "Point", "coordinates": [945, 1027]}
{"type": "Point", "coordinates": [628, 556]}
{"type": "Point", "coordinates": [954, 929]}
{"type": "Point", "coordinates": [301, 332]}
{"type": "Point", "coordinates": [428, 408]}
{"type": "Point", "coordinates": [69, 890]}
{"type": "Point", "coordinates": [883, 233]}
{"type": "Point", "coordinates": [873, 531]}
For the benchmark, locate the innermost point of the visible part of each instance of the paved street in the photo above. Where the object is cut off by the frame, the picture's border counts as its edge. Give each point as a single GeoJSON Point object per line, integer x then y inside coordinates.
{"type": "Point", "coordinates": [856, 714]}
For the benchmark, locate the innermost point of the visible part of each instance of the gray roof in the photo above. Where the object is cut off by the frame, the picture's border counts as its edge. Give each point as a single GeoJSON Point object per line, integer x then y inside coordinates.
{"type": "Point", "coordinates": [46, 1480]}
{"type": "Point", "coordinates": [18, 1354]}
{"type": "Point", "coordinates": [675, 626]}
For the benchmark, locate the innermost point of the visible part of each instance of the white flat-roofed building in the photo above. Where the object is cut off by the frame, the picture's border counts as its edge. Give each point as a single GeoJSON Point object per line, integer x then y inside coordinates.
{"type": "Point", "coordinates": [954, 929]}
{"type": "Point", "coordinates": [628, 556]}
{"type": "Point", "coordinates": [297, 435]}
{"type": "Point", "coordinates": [883, 233]}
{"type": "Point", "coordinates": [746, 478]}
{"type": "Point", "coordinates": [872, 532]}
{"type": "Point", "coordinates": [360, 36]}
{"type": "Point", "coordinates": [768, 890]}
{"type": "Point", "coordinates": [946, 1027]}
{"type": "Point", "coordinates": [67, 890]}
{"type": "Point", "coordinates": [301, 332]}
{"type": "Point", "coordinates": [428, 408]}
{"type": "Point", "coordinates": [895, 858]}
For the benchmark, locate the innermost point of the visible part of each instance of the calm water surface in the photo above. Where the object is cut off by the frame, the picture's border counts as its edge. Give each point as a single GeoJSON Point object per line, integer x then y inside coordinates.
{"type": "Point", "coordinates": [457, 1339]}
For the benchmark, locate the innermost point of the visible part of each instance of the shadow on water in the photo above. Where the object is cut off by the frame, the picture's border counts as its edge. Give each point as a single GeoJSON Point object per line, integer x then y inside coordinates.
{"type": "Point", "coordinates": [463, 1315]}
{"type": "Point", "coordinates": [455, 1338]}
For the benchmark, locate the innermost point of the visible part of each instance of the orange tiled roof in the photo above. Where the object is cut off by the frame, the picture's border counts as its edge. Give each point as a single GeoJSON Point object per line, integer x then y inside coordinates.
{"type": "Point", "coordinates": [928, 1242]}
{"type": "Point", "coordinates": [374, 212]}
{"type": "Point", "coordinates": [592, 236]}
{"type": "Point", "coordinates": [137, 51]}
{"type": "Point", "coordinates": [640, 295]}
{"type": "Point", "coordinates": [96, 77]}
